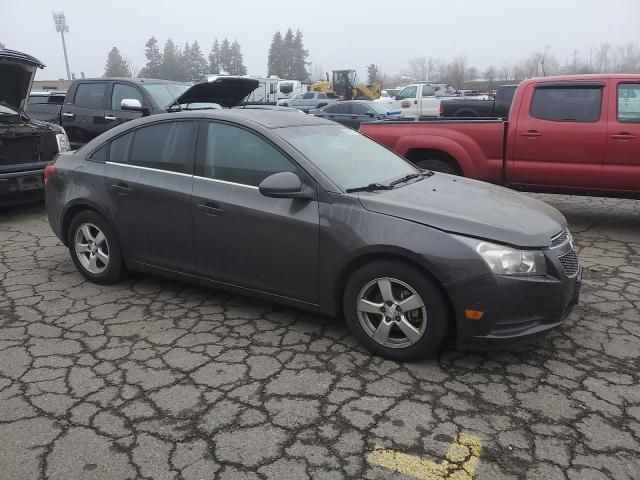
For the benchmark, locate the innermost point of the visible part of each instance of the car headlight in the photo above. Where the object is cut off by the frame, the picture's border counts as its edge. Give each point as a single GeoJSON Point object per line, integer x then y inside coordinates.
{"type": "Point", "coordinates": [504, 260]}
{"type": "Point", "coordinates": [63, 142]}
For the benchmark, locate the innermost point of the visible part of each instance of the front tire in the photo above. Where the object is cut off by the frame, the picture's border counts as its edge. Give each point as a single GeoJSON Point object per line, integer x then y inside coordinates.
{"type": "Point", "coordinates": [94, 248]}
{"type": "Point", "coordinates": [395, 310]}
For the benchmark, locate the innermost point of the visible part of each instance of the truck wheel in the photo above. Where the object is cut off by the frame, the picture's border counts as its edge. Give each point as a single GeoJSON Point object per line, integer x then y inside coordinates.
{"type": "Point", "coordinates": [395, 310]}
{"type": "Point", "coordinates": [437, 165]}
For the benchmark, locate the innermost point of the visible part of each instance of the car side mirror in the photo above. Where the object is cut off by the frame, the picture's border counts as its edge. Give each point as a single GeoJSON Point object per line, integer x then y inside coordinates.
{"type": "Point", "coordinates": [371, 114]}
{"type": "Point", "coordinates": [133, 105]}
{"type": "Point", "coordinates": [284, 185]}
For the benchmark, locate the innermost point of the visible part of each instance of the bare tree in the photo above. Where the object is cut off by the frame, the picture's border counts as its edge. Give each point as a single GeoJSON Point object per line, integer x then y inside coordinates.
{"type": "Point", "coordinates": [419, 68]}
{"type": "Point", "coordinates": [490, 76]}
{"type": "Point", "coordinates": [602, 57]}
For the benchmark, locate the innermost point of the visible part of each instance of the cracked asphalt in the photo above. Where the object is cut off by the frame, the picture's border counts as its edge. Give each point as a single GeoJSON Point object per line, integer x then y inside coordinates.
{"type": "Point", "coordinates": [153, 378]}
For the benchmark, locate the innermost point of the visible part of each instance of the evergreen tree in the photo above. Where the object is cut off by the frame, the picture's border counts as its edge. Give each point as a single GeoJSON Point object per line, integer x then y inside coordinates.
{"type": "Point", "coordinates": [225, 56]}
{"type": "Point", "coordinates": [170, 61]}
{"type": "Point", "coordinates": [116, 65]}
{"type": "Point", "coordinates": [275, 61]}
{"type": "Point", "coordinates": [153, 68]}
{"type": "Point", "coordinates": [214, 58]}
{"type": "Point", "coordinates": [237, 61]}
{"type": "Point", "coordinates": [299, 59]}
{"type": "Point", "coordinates": [287, 54]}
{"type": "Point", "coordinates": [185, 63]}
{"type": "Point", "coordinates": [372, 74]}
{"type": "Point", "coordinates": [199, 65]}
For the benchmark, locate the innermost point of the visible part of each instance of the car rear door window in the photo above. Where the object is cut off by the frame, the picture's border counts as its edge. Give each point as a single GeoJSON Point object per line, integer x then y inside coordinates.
{"type": "Point", "coordinates": [629, 102]}
{"type": "Point", "coordinates": [122, 91]}
{"type": "Point", "coordinates": [338, 108]}
{"type": "Point", "coordinates": [308, 95]}
{"type": "Point", "coordinates": [119, 148]}
{"type": "Point", "coordinates": [233, 154]}
{"type": "Point", "coordinates": [164, 146]}
{"type": "Point", "coordinates": [567, 104]}
{"type": "Point", "coordinates": [359, 109]}
{"type": "Point", "coordinates": [90, 95]}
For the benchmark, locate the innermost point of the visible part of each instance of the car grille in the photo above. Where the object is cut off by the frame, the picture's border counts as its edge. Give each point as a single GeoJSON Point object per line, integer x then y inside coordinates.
{"type": "Point", "coordinates": [560, 238]}
{"type": "Point", "coordinates": [569, 262]}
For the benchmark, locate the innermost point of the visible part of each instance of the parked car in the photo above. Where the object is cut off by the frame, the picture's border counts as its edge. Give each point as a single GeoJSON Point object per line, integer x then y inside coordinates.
{"type": "Point", "coordinates": [311, 101]}
{"type": "Point", "coordinates": [478, 106]}
{"type": "Point", "coordinates": [45, 106]}
{"type": "Point", "coordinates": [354, 112]}
{"type": "Point", "coordinates": [285, 102]}
{"type": "Point", "coordinates": [416, 100]}
{"type": "Point", "coordinates": [571, 134]}
{"type": "Point", "coordinates": [93, 106]}
{"type": "Point", "coordinates": [26, 145]}
{"type": "Point", "coordinates": [296, 209]}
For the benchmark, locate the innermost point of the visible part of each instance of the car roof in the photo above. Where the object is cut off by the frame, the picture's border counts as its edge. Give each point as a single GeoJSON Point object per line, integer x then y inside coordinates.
{"type": "Point", "coordinates": [129, 79]}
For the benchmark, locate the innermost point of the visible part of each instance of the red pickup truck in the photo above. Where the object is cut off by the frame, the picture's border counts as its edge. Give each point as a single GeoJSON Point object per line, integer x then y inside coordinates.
{"type": "Point", "coordinates": [575, 134]}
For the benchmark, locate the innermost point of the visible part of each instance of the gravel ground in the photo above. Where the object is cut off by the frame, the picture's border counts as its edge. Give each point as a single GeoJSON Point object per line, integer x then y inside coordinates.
{"type": "Point", "coordinates": [153, 378]}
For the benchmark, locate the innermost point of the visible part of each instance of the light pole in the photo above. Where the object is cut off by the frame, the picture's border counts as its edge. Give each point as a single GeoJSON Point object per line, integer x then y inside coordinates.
{"type": "Point", "coordinates": [62, 27]}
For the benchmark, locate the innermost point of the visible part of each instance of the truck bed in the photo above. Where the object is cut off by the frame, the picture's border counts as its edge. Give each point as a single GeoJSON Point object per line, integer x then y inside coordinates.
{"type": "Point", "coordinates": [477, 145]}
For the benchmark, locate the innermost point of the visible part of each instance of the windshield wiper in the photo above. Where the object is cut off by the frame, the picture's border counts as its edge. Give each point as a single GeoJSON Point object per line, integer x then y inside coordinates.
{"type": "Point", "coordinates": [372, 187]}
{"type": "Point", "coordinates": [411, 176]}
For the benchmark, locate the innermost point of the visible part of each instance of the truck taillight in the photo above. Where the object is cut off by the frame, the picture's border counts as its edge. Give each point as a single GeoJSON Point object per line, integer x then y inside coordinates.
{"type": "Point", "coordinates": [49, 172]}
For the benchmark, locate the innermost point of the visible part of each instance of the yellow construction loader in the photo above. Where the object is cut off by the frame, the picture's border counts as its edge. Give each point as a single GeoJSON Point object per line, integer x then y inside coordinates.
{"type": "Point", "coordinates": [344, 87]}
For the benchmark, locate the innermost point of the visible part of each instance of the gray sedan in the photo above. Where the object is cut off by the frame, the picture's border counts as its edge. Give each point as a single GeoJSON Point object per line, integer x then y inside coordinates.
{"type": "Point", "coordinates": [352, 113]}
{"type": "Point", "coordinates": [302, 211]}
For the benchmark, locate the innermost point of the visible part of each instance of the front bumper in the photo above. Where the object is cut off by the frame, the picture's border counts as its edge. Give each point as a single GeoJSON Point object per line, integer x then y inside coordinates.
{"type": "Point", "coordinates": [21, 185]}
{"type": "Point", "coordinates": [517, 309]}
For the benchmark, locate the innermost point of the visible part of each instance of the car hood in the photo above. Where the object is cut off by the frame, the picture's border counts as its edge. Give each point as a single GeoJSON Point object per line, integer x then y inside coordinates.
{"type": "Point", "coordinates": [17, 70]}
{"type": "Point", "coordinates": [226, 91]}
{"type": "Point", "coordinates": [472, 208]}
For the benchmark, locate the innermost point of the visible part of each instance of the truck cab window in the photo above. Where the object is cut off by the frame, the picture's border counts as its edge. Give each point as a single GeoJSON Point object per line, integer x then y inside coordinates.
{"type": "Point", "coordinates": [90, 95]}
{"type": "Point", "coordinates": [629, 102]}
{"type": "Point", "coordinates": [428, 91]}
{"type": "Point", "coordinates": [409, 92]}
{"type": "Point", "coordinates": [122, 91]}
{"type": "Point", "coordinates": [567, 104]}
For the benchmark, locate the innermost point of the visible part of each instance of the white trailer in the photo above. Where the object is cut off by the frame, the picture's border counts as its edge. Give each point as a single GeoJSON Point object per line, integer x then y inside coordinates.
{"type": "Point", "coordinates": [267, 91]}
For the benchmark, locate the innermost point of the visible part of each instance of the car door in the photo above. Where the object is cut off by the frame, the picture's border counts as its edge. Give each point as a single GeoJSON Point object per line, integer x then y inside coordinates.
{"type": "Point", "coordinates": [83, 116]}
{"type": "Point", "coordinates": [119, 91]}
{"type": "Point", "coordinates": [339, 112]}
{"type": "Point", "coordinates": [359, 113]}
{"type": "Point", "coordinates": [149, 178]}
{"type": "Point", "coordinates": [407, 101]}
{"type": "Point", "coordinates": [622, 165]}
{"type": "Point", "coordinates": [560, 135]}
{"type": "Point", "coordinates": [242, 237]}
{"type": "Point", "coordinates": [429, 103]}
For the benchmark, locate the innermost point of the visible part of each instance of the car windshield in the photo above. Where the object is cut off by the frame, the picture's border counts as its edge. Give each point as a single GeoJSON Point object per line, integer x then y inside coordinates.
{"type": "Point", "coordinates": [379, 108]}
{"type": "Point", "coordinates": [164, 94]}
{"type": "Point", "coordinates": [348, 158]}
{"type": "Point", "coordinates": [4, 110]}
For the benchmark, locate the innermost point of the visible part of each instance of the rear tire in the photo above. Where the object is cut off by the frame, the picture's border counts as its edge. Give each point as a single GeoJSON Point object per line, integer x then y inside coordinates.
{"type": "Point", "coordinates": [95, 249]}
{"type": "Point", "coordinates": [437, 165]}
{"type": "Point", "coordinates": [395, 310]}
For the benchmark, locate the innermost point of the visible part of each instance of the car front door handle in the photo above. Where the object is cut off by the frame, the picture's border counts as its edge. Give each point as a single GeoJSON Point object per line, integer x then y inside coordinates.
{"type": "Point", "coordinates": [531, 134]}
{"type": "Point", "coordinates": [110, 118]}
{"type": "Point", "coordinates": [68, 115]}
{"type": "Point", "coordinates": [121, 188]}
{"type": "Point", "coordinates": [210, 209]}
{"type": "Point", "coordinates": [623, 136]}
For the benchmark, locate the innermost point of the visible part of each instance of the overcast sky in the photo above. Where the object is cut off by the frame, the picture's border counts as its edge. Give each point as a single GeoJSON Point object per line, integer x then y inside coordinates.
{"type": "Point", "coordinates": [345, 34]}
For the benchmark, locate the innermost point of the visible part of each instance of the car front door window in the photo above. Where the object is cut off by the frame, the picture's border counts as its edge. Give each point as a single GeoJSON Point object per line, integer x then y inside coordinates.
{"type": "Point", "coordinates": [122, 91]}
{"type": "Point", "coordinates": [409, 92]}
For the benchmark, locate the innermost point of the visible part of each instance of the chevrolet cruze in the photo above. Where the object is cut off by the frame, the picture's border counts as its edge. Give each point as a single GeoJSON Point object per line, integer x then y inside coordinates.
{"type": "Point", "coordinates": [305, 212]}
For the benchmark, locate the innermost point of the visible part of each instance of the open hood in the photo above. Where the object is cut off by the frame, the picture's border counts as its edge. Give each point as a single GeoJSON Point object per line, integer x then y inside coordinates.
{"type": "Point", "coordinates": [226, 91]}
{"type": "Point", "coordinates": [17, 70]}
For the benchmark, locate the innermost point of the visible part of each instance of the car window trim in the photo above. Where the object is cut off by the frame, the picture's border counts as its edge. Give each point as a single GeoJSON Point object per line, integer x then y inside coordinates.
{"type": "Point", "coordinates": [227, 182]}
{"type": "Point", "coordinates": [109, 162]}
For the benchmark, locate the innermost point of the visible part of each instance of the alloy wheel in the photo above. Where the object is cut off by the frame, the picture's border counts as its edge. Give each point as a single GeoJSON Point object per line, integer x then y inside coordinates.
{"type": "Point", "coordinates": [391, 312]}
{"type": "Point", "coordinates": [92, 248]}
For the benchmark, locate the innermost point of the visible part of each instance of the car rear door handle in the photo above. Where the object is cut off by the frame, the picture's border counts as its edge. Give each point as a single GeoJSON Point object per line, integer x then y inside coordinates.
{"type": "Point", "coordinates": [68, 115]}
{"type": "Point", "coordinates": [623, 136]}
{"type": "Point", "coordinates": [111, 118]}
{"type": "Point", "coordinates": [210, 209]}
{"type": "Point", "coordinates": [121, 188]}
{"type": "Point", "coordinates": [531, 134]}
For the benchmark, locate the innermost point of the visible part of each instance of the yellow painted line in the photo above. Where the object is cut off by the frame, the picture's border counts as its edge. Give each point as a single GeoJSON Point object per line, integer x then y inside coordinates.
{"type": "Point", "coordinates": [459, 464]}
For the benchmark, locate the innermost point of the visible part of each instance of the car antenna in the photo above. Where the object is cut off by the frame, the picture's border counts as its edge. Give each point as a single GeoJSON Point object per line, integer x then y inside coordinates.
{"type": "Point", "coordinates": [175, 100]}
